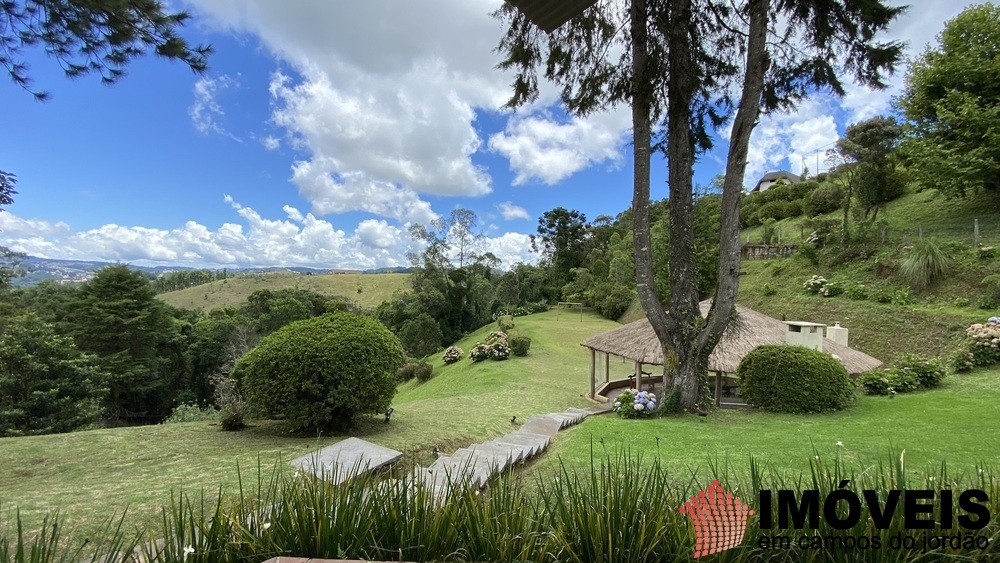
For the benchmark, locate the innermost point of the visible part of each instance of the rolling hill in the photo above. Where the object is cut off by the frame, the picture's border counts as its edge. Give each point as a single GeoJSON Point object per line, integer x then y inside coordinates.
{"type": "Point", "coordinates": [366, 290]}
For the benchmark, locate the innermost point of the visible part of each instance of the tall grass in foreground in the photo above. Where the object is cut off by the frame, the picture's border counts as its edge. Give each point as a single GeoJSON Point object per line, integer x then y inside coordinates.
{"type": "Point", "coordinates": [618, 509]}
{"type": "Point", "coordinates": [925, 264]}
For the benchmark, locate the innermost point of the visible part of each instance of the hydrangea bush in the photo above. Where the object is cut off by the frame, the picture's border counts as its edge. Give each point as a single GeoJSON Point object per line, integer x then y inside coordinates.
{"type": "Point", "coordinates": [832, 289]}
{"type": "Point", "coordinates": [984, 342]}
{"type": "Point", "coordinates": [500, 351]}
{"type": "Point", "coordinates": [814, 284]}
{"type": "Point", "coordinates": [453, 354]}
{"type": "Point", "coordinates": [630, 404]}
{"type": "Point", "coordinates": [479, 352]}
{"type": "Point", "coordinates": [527, 309]}
{"type": "Point", "coordinates": [910, 372]}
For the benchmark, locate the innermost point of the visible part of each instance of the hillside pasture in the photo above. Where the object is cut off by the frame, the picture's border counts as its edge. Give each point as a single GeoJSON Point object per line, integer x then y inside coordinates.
{"type": "Point", "coordinates": [366, 290]}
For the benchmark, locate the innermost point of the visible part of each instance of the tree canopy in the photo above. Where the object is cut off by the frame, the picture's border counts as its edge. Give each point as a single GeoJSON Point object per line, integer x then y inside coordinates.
{"type": "Point", "coordinates": [689, 66]}
{"type": "Point", "coordinates": [87, 37]}
{"type": "Point", "coordinates": [952, 104]}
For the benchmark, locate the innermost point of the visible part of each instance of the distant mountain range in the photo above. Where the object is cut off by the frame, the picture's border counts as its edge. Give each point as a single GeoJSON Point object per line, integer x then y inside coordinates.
{"type": "Point", "coordinates": [79, 271]}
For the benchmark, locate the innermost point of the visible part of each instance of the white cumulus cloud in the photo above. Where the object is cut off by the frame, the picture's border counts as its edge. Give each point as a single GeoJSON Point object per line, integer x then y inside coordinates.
{"type": "Point", "coordinates": [511, 211]}
{"type": "Point", "coordinates": [250, 240]}
{"type": "Point", "coordinates": [544, 149]}
{"type": "Point", "coordinates": [383, 99]}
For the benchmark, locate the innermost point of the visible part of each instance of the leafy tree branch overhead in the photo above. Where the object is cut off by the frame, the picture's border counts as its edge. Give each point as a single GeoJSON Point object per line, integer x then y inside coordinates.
{"type": "Point", "coordinates": [92, 37]}
{"type": "Point", "coordinates": [690, 65]}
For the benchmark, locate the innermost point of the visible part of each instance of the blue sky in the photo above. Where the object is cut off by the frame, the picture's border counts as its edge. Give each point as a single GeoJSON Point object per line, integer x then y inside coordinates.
{"type": "Point", "coordinates": [322, 129]}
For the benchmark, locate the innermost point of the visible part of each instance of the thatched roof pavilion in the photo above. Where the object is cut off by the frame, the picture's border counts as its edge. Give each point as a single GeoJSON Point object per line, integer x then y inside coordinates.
{"type": "Point", "coordinates": [637, 341]}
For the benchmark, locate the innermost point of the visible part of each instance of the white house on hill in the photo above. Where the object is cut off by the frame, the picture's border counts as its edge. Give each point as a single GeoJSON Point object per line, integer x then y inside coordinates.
{"type": "Point", "coordinates": [772, 178]}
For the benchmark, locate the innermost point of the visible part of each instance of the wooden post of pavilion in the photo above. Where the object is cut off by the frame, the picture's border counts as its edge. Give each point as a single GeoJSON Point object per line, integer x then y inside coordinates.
{"type": "Point", "coordinates": [607, 367]}
{"type": "Point", "coordinates": [593, 367]}
{"type": "Point", "coordinates": [718, 389]}
{"type": "Point", "coordinates": [638, 376]}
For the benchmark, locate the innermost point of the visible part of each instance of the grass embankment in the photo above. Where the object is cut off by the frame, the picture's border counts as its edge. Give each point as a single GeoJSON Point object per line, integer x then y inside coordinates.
{"type": "Point", "coordinates": [935, 319]}
{"type": "Point", "coordinates": [955, 423]}
{"type": "Point", "coordinates": [233, 292]}
{"type": "Point", "coordinates": [929, 211]}
{"type": "Point", "coordinates": [930, 325]}
{"type": "Point", "coordinates": [88, 476]}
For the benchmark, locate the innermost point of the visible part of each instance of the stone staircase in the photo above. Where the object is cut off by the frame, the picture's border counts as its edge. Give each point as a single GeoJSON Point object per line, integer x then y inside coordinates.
{"type": "Point", "coordinates": [476, 464]}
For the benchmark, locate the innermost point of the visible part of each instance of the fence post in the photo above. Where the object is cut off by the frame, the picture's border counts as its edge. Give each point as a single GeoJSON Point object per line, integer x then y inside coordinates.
{"type": "Point", "coordinates": [975, 232]}
{"type": "Point", "coordinates": [920, 230]}
{"type": "Point", "coordinates": [779, 235]}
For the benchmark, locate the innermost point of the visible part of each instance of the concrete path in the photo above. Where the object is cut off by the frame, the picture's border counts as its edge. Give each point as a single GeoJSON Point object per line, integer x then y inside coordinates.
{"type": "Point", "coordinates": [477, 463]}
{"type": "Point", "coordinates": [346, 459]}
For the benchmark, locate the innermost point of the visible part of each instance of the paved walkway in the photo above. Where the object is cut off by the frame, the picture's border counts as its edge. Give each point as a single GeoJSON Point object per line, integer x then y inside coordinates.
{"type": "Point", "coordinates": [475, 464]}
{"type": "Point", "coordinates": [346, 459]}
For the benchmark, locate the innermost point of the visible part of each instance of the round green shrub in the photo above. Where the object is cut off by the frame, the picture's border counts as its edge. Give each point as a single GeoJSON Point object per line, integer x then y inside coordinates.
{"type": "Point", "coordinates": [324, 372]}
{"type": "Point", "coordinates": [927, 370]}
{"type": "Point", "coordinates": [406, 372]}
{"type": "Point", "coordinates": [423, 371]}
{"type": "Point", "coordinates": [875, 382]}
{"type": "Point", "coordinates": [794, 379]}
{"type": "Point", "coordinates": [505, 323]}
{"type": "Point", "coordinates": [519, 345]}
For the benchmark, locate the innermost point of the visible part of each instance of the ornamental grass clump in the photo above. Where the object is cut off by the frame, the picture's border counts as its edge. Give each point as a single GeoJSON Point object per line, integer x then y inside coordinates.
{"type": "Point", "coordinates": [925, 264]}
{"type": "Point", "coordinates": [550, 518]}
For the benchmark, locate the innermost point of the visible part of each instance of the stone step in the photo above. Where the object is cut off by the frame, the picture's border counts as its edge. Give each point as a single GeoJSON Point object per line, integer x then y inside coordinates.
{"type": "Point", "coordinates": [518, 452]}
{"type": "Point", "coordinates": [535, 443]}
{"type": "Point", "coordinates": [574, 410]}
{"type": "Point", "coordinates": [499, 458]}
{"type": "Point", "coordinates": [346, 459]}
{"type": "Point", "coordinates": [542, 425]}
{"type": "Point", "coordinates": [563, 418]}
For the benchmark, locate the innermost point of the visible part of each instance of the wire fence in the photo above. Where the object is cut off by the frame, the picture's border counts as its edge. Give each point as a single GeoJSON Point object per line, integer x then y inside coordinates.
{"type": "Point", "coordinates": [984, 231]}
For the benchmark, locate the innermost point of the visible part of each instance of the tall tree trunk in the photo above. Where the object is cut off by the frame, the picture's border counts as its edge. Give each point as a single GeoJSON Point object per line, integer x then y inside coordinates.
{"type": "Point", "coordinates": [641, 134]}
{"type": "Point", "coordinates": [684, 313]}
{"type": "Point", "coordinates": [724, 302]}
{"type": "Point", "coordinates": [687, 341]}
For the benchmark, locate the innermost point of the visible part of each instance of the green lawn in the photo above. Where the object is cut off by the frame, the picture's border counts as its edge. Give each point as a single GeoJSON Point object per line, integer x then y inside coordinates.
{"type": "Point", "coordinates": [90, 475]}
{"type": "Point", "coordinates": [232, 292]}
{"type": "Point", "coordinates": [956, 423]}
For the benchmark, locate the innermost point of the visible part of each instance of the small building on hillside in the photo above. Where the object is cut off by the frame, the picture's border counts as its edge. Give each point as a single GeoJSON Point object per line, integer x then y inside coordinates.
{"type": "Point", "coordinates": [772, 178]}
{"type": "Point", "coordinates": [636, 342]}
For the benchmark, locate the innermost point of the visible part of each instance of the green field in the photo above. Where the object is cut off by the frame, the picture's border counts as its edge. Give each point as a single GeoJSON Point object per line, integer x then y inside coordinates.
{"type": "Point", "coordinates": [366, 290]}
{"type": "Point", "coordinates": [955, 423]}
{"type": "Point", "coordinates": [91, 475]}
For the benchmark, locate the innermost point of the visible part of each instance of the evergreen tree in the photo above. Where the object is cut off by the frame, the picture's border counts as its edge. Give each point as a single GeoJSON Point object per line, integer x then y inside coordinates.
{"type": "Point", "coordinates": [92, 37]}
{"type": "Point", "coordinates": [46, 384]}
{"type": "Point", "coordinates": [118, 318]}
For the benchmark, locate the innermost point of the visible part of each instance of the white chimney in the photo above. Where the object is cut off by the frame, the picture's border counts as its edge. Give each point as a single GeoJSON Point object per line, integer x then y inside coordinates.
{"type": "Point", "coordinates": [805, 334]}
{"type": "Point", "coordinates": [837, 333]}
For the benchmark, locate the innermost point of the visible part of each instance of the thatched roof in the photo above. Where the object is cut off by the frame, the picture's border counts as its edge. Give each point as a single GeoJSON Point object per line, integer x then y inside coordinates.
{"type": "Point", "coordinates": [637, 341]}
